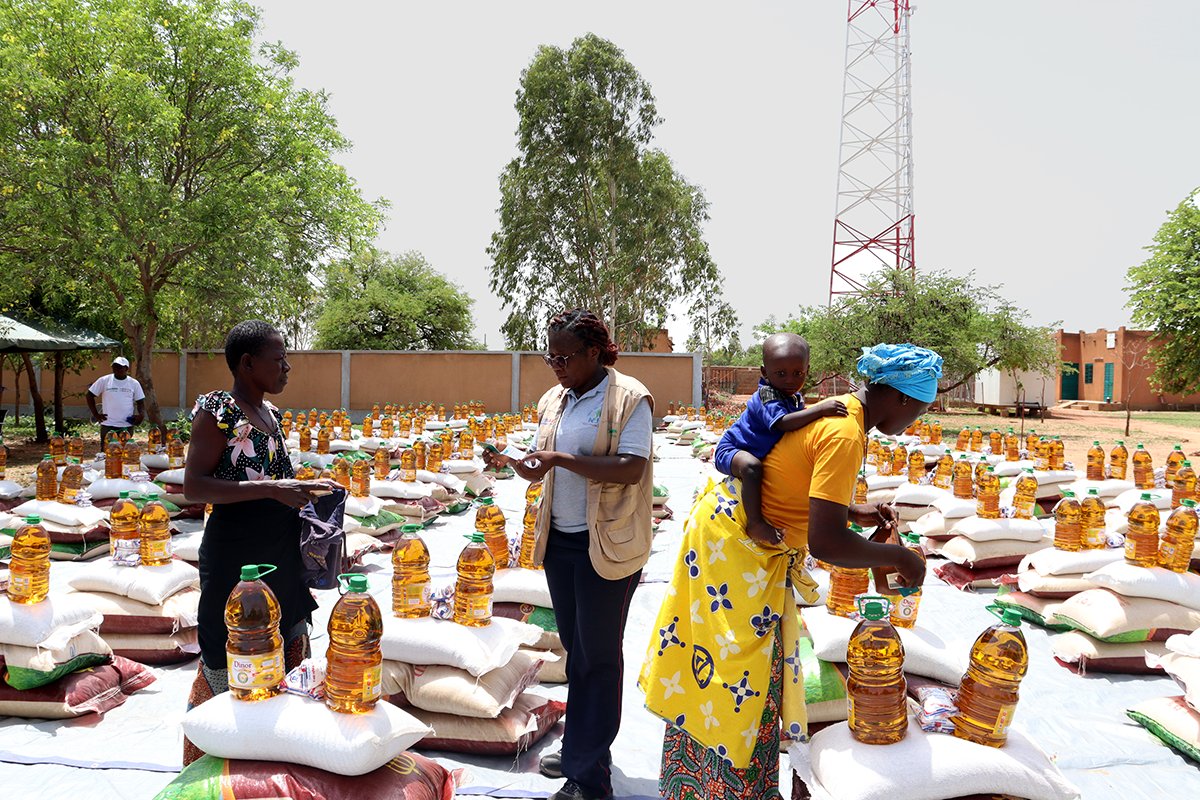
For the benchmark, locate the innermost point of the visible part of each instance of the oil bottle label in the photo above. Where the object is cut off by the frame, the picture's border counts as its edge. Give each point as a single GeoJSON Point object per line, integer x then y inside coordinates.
{"type": "Point", "coordinates": [905, 608]}
{"type": "Point", "coordinates": [255, 672]}
{"type": "Point", "coordinates": [69, 496]}
{"type": "Point", "coordinates": [1024, 506]}
{"type": "Point", "coordinates": [175, 462]}
{"type": "Point", "coordinates": [478, 607]}
{"type": "Point", "coordinates": [372, 685]}
{"type": "Point", "coordinates": [1004, 719]}
{"type": "Point", "coordinates": [157, 550]}
{"type": "Point", "coordinates": [127, 552]}
{"type": "Point", "coordinates": [414, 594]}
{"type": "Point", "coordinates": [126, 470]}
{"type": "Point", "coordinates": [1096, 537]}
{"type": "Point", "coordinates": [19, 584]}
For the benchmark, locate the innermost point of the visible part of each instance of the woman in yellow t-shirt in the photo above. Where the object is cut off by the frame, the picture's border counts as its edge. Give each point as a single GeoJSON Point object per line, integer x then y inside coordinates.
{"type": "Point", "coordinates": [723, 667]}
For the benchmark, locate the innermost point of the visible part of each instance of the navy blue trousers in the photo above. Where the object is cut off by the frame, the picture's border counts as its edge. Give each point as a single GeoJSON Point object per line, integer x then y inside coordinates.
{"type": "Point", "coordinates": [590, 612]}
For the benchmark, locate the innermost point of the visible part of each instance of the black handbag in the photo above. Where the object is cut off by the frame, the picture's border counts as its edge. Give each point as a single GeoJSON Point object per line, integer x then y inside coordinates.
{"type": "Point", "coordinates": [322, 540]}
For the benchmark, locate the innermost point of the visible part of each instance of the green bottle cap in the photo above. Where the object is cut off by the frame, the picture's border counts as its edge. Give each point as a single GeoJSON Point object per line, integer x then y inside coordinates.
{"type": "Point", "coordinates": [33, 519]}
{"type": "Point", "coordinates": [1179, 447]}
{"type": "Point", "coordinates": [1121, 442]}
{"type": "Point", "coordinates": [476, 537]}
{"type": "Point", "coordinates": [354, 582]}
{"type": "Point", "coordinates": [855, 528]}
{"type": "Point", "coordinates": [1027, 469]}
{"type": "Point", "coordinates": [991, 469]}
{"type": "Point", "coordinates": [410, 527]}
{"type": "Point", "coordinates": [1093, 493]}
{"type": "Point", "coordinates": [1068, 493]}
{"type": "Point", "coordinates": [124, 495]}
{"type": "Point", "coordinates": [1095, 444]}
{"type": "Point", "coordinates": [1189, 503]}
{"type": "Point", "coordinates": [1140, 446]}
{"type": "Point", "coordinates": [485, 501]}
{"type": "Point", "coordinates": [947, 451]}
{"type": "Point", "coordinates": [45, 457]}
{"type": "Point", "coordinates": [872, 607]}
{"type": "Point", "coordinates": [1007, 614]}
{"type": "Point", "coordinates": [252, 572]}
{"type": "Point", "coordinates": [1186, 464]}
{"type": "Point", "coordinates": [1147, 496]}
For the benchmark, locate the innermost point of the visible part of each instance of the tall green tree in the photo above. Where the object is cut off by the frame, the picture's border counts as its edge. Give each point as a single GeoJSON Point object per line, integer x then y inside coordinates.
{"type": "Point", "coordinates": [157, 163]}
{"type": "Point", "coordinates": [377, 301]}
{"type": "Point", "coordinates": [971, 326]}
{"type": "Point", "coordinates": [590, 214]}
{"type": "Point", "coordinates": [1165, 297]}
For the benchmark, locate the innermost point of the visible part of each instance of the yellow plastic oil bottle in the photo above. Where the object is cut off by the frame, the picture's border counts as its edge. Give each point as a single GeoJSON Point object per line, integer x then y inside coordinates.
{"type": "Point", "coordinates": [1175, 549]}
{"type": "Point", "coordinates": [1095, 462]}
{"type": "Point", "coordinates": [417, 424]}
{"type": "Point", "coordinates": [58, 450]}
{"type": "Point", "coordinates": [671, 409]}
{"type": "Point", "coordinates": [323, 436]}
{"type": "Point", "coordinates": [29, 564]}
{"type": "Point", "coordinates": [845, 584]}
{"type": "Point", "coordinates": [943, 477]}
{"type": "Point", "coordinates": [925, 432]}
{"type": "Point", "coordinates": [1068, 513]}
{"type": "Point", "coordinates": [873, 450]}
{"type": "Point", "coordinates": [1141, 542]}
{"type": "Point", "coordinates": [323, 418]}
{"type": "Point", "coordinates": [989, 691]}
{"type": "Point", "coordinates": [360, 478]}
{"type": "Point", "coordinates": [341, 472]}
{"type": "Point", "coordinates": [1031, 441]}
{"type": "Point", "coordinates": [410, 574]}
{"type": "Point", "coordinates": [977, 440]}
{"type": "Point", "coordinates": [368, 426]}
{"type": "Point", "coordinates": [473, 589]}
{"type": "Point", "coordinates": [175, 451]}
{"type": "Point", "coordinates": [305, 473]}
{"type": "Point", "coordinates": [883, 460]}
{"type": "Point", "coordinates": [964, 478]}
{"type": "Point", "coordinates": [860, 488]}
{"type": "Point", "coordinates": [1012, 446]}
{"type": "Point", "coordinates": [1118, 461]}
{"type": "Point", "coordinates": [876, 686]}
{"type": "Point", "coordinates": [313, 418]}
{"type": "Point", "coordinates": [383, 463]}
{"type": "Point", "coordinates": [122, 436]}
{"type": "Point", "coordinates": [899, 459]}
{"type": "Point", "coordinates": [1025, 497]}
{"type": "Point", "coordinates": [905, 601]}
{"type": "Point", "coordinates": [1041, 455]}
{"type": "Point", "coordinates": [1174, 459]}
{"type": "Point", "coordinates": [1184, 487]}
{"type": "Point", "coordinates": [353, 660]}
{"type": "Point", "coordinates": [386, 427]}
{"type": "Point", "coordinates": [305, 434]}
{"type": "Point", "coordinates": [131, 459]}
{"type": "Point", "coordinates": [72, 482]}
{"type": "Point", "coordinates": [75, 447]}
{"type": "Point", "coordinates": [254, 649]}
{"type": "Point", "coordinates": [987, 495]}
{"type": "Point", "coordinates": [435, 457]}
{"type": "Point", "coordinates": [155, 531]}
{"type": "Point", "coordinates": [419, 453]}
{"type": "Point", "coordinates": [528, 541]}
{"type": "Point", "coordinates": [466, 445]}
{"type": "Point", "coordinates": [408, 465]}
{"type": "Point", "coordinates": [489, 521]}
{"type": "Point", "coordinates": [963, 443]}
{"type": "Point", "coordinates": [916, 465]}
{"type": "Point", "coordinates": [125, 534]}
{"type": "Point", "coordinates": [996, 441]}
{"type": "Point", "coordinates": [403, 426]}
{"type": "Point", "coordinates": [1095, 537]}
{"type": "Point", "coordinates": [1058, 453]}
{"type": "Point", "coordinates": [447, 443]}
{"type": "Point", "coordinates": [935, 433]}
{"type": "Point", "coordinates": [1143, 468]}
{"type": "Point", "coordinates": [47, 479]}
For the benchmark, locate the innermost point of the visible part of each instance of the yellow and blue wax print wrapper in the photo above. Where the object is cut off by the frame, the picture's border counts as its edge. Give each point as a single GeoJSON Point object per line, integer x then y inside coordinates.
{"type": "Point", "coordinates": [708, 664]}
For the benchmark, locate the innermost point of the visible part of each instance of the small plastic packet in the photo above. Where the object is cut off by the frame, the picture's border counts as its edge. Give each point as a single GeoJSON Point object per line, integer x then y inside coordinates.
{"type": "Point", "coordinates": [938, 709]}
{"type": "Point", "coordinates": [307, 679]}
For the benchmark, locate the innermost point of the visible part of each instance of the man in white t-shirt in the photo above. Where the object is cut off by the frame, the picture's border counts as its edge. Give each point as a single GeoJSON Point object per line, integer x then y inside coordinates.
{"type": "Point", "coordinates": [121, 397]}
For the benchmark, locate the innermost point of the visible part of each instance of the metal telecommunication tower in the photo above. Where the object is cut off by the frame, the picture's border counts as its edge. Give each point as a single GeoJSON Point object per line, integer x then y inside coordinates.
{"type": "Point", "coordinates": [873, 226]}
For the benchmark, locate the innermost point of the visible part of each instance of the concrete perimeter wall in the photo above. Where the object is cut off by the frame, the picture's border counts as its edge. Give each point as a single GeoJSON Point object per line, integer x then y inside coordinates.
{"type": "Point", "coordinates": [355, 380]}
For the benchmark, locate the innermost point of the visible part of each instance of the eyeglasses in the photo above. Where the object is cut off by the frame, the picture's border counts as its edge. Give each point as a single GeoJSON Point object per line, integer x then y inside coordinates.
{"type": "Point", "coordinates": [560, 362]}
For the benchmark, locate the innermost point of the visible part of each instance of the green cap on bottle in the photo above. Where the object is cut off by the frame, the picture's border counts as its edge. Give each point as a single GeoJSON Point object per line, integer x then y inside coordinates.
{"type": "Point", "coordinates": [252, 572]}
{"type": "Point", "coordinates": [1007, 614]}
{"type": "Point", "coordinates": [410, 527]}
{"type": "Point", "coordinates": [33, 519]}
{"type": "Point", "coordinates": [354, 582]}
{"type": "Point", "coordinates": [872, 607]}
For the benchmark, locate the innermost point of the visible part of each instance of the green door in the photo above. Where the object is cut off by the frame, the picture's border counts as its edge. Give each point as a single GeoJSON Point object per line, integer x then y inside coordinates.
{"type": "Point", "coordinates": [1108, 383]}
{"type": "Point", "coordinates": [1070, 385]}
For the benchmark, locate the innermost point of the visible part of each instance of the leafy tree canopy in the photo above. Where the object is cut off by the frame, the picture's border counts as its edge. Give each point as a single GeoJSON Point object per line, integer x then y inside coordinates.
{"type": "Point", "coordinates": [969, 325]}
{"type": "Point", "coordinates": [378, 301]}
{"type": "Point", "coordinates": [590, 214]}
{"type": "Point", "coordinates": [1165, 297]}
{"type": "Point", "coordinates": [158, 165]}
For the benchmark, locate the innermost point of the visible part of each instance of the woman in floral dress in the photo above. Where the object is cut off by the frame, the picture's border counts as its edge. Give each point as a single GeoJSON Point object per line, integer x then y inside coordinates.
{"type": "Point", "coordinates": [238, 461]}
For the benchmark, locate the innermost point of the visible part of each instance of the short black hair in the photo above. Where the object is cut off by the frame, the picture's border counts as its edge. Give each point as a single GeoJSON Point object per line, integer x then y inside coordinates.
{"type": "Point", "coordinates": [247, 338]}
{"type": "Point", "coordinates": [587, 327]}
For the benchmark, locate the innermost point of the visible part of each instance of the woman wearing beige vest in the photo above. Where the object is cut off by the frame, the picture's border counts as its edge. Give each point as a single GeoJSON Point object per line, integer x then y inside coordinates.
{"type": "Point", "coordinates": [593, 533]}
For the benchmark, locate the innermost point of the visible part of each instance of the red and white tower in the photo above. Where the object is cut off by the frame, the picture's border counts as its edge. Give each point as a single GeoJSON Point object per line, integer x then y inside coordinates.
{"type": "Point", "coordinates": [873, 227]}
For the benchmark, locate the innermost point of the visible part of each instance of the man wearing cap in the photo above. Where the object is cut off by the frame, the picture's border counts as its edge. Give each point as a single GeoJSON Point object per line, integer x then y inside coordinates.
{"type": "Point", "coordinates": [119, 394]}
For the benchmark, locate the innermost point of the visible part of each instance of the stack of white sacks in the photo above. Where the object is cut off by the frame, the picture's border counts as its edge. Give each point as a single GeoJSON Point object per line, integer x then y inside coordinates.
{"type": "Point", "coordinates": [1176, 720]}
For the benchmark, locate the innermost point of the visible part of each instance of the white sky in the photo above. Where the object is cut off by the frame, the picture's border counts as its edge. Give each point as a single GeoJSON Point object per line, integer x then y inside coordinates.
{"type": "Point", "coordinates": [1050, 138]}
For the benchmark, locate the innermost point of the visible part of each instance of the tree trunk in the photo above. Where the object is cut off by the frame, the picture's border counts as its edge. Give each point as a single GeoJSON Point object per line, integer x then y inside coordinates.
{"type": "Point", "coordinates": [1128, 414]}
{"type": "Point", "coordinates": [35, 396]}
{"type": "Point", "coordinates": [59, 371]}
{"type": "Point", "coordinates": [141, 337]}
{"type": "Point", "coordinates": [16, 390]}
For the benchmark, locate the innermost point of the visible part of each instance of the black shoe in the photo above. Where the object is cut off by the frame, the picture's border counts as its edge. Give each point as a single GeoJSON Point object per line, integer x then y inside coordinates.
{"type": "Point", "coordinates": [573, 791]}
{"type": "Point", "coordinates": [551, 765]}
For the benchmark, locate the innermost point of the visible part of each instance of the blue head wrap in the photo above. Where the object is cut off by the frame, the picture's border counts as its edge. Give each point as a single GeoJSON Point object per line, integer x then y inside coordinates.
{"type": "Point", "coordinates": [910, 369]}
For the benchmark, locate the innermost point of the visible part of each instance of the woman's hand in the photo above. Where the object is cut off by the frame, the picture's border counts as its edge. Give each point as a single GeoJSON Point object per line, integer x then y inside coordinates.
{"type": "Point", "coordinates": [495, 460]}
{"type": "Point", "coordinates": [765, 532]}
{"type": "Point", "coordinates": [544, 459]}
{"type": "Point", "coordinates": [297, 494]}
{"type": "Point", "coordinates": [911, 568]}
{"type": "Point", "coordinates": [874, 515]}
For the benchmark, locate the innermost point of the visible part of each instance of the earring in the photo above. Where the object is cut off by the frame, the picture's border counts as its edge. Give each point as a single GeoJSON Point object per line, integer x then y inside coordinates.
{"type": "Point", "coordinates": [904, 400]}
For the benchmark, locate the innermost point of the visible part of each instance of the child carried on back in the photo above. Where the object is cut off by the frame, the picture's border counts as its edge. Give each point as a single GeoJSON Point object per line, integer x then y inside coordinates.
{"type": "Point", "coordinates": [776, 408]}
